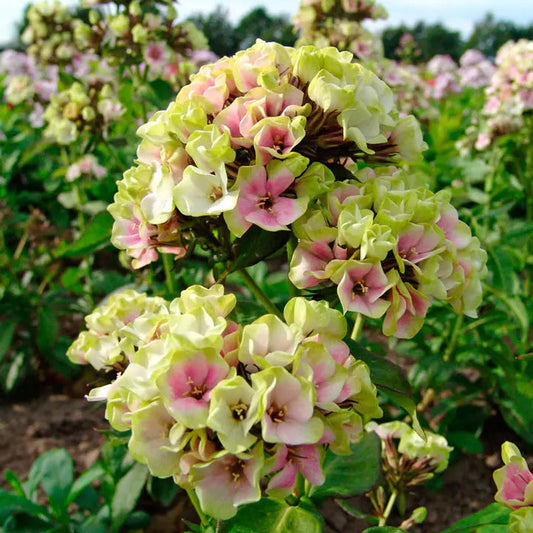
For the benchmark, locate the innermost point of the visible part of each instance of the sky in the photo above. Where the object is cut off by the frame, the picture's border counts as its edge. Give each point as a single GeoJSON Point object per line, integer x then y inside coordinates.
{"type": "Point", "coordinates": [455, 14]}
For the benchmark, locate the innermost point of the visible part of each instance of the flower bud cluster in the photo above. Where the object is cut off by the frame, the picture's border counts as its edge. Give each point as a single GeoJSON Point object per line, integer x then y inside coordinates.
{"type": "Point", "coordinates": [338, 23]}
{"type": "Point", "coordinates": [224, 408]}
{"type": "Point", "coordinates": [26, 82]}
{"type": "Point", "coordinates": [409, 459]}
{"type": "Point", "coordinates": [49, 33]}
{"type": "Point", "coordinates": [81, 110]}
{"type": "Point", "coordinates": [389, 247]}
{"type": "Point", "coordinates": [139, 33]}
{"type": "Point", "coordinates": [514, 482]}
{"type": "Point", "coordinates": [510, 93]}
{"type": "Point", "coordinates": [248, 142]}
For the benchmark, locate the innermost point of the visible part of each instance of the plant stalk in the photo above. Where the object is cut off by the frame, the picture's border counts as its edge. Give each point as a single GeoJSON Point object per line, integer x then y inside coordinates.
{"type": "Point", "coordinates": [167, 264]}
{"type": "Point", "coordinates": [388, 509]}
{"type": "Point", "coordinates": [259, 294]}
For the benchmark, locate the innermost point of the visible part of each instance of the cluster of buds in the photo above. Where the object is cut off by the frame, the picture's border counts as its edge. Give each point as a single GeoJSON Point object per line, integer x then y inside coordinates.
{"type": "Point", "coordinates": [225, 409]}
{"type": "Point", "coordinates": [408, 460]}
{"type": "Point", "coordinates": [81, 110]}
{"type": "Point", "coordinates": [510, 93]}
{"type": "Point", "coordinates": [514, 482]}
{"type": "Point", "coordinates": [338, 23]}
{"type": "Point", "coordinates": [388, 246]}
{"type": "Point", "coordinates": [250, 142]}
{"type": "Point", "coordinates": [27, 83]}
{"type": "Point", "coordinates": [49, 33]}
{"type": "Point", "coordinates": [139, 33]}
{"type": "Point", "coordinates": [408, 50]}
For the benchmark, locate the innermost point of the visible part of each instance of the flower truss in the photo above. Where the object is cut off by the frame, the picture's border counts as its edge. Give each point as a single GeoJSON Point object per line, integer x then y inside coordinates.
{"type": "Point", "coordinates": [272, 138]}
{"type": "Point", "coordinates": [338, 23]}
{"type": "Point", "coordinates": [226, 409]}
{"type": "Point", "coordinates": [510, 93]}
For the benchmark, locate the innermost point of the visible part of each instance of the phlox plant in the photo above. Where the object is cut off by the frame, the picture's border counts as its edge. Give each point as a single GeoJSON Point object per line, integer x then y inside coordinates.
{"type": "Point", "coordinates": [277, 151]}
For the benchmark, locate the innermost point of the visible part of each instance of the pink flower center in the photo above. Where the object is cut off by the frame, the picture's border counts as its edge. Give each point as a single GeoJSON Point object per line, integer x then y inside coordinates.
{"type": "Point", "coordinates": [410, 254]}
{"type": "Point", "coordinates": [278, 143]}
{"type": "Point", "coordinates": [195, 391]}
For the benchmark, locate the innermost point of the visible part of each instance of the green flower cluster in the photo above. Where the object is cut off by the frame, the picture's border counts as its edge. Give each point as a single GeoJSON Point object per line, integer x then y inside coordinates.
{"type": "Point", "coordinates": [225, 408]}
{"type": "Point", "coordinates": [81, 110]}
{"type": "Point", "coordinates": [338, 23]}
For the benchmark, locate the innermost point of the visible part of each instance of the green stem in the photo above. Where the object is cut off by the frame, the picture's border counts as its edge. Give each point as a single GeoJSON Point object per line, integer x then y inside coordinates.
{"type": "Point", "coordinates": [453, 339]}
{"type": "Point", "coordinates": [259, 294]}
{"type": "Point", "coordinates": [388, 509]}
{"type": "Point", "coordinates": [167, 264]}
{"type": "Point", "coordinates": [357, 327]}
{"type": "Point", "coordinates": [196, 504]}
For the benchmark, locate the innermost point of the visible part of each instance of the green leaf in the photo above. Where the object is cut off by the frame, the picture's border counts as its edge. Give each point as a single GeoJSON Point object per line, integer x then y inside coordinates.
{"type": "Point", "coordinates": [127, 493]}
{"type": "Point", "coordinates": [390, 379]}
{"type": "Point", "coordinates": [12, 503]}
{"type": "Point", "coordinates": [6, 336]}
{"type": "Point", "coordinates": [47, 329]}
{"type": "Point", "coordinates": [54, 471]}
{"type": "Point", "coordinates": [14, 483]}
{"type": "Point", "coordinates": [482, 521]}
{"type": "Point", "coordinates": [383, 529]}
{"type": "Point", "coordinates": [353, 474]}
{"type": "Point", "coordinates": [274, 516]}
{"type": "Point", "coordinates": [515, 406]}
{"type": "Point", "coordinates": [465, 440]}
{"type": "Point", "coordinates": [89, 476]}
{"type": "Point", "coordinates": [163, 92]}
{"type": "Point", "coordinates": [255, 245]}
{"type": "Point", "coordinates": [162, 490]}
{"type": "Point", "coordinates": [96, 234]}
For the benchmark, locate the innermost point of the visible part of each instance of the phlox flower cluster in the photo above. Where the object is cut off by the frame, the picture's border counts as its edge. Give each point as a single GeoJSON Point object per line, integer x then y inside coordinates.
{"type": "Point", "coordinates": [338, 23]}
{"type": "Point", "coordinates": [410, 88]}
{"type": "Point", "coordinates": [139, 34]}
{"type": "Point", "coordinates": [142, 34]}
{"type": "Point", "coordinates": [389, 247]}
{"type": "Point", "coordinates": [27, 83]}
{"type": "Point", "coordinates": [227, 409]}
{"type": "Point", "coordinates": [81, 110]}
{"type": "Point", "coordinates": [510, 93]}
{"type": "Point", "coordinates": [514, 483]}
{"type": "Point", "coordinates": [446, 77]}
{"type": "Point", "coordinates": [250, 142]}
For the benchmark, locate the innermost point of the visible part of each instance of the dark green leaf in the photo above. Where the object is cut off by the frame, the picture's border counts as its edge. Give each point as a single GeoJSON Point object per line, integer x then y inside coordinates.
{"type": "Point", "coordinates": [516, 406]}
{"type": "Point", "coordinates": [89, 476]}
{"type": "Point", "coordinates": [54, 471]}
{"type": "Point", "coordinates": [273, 516]}
{"type": "Point", "coordinates": [465, 440]}
{"type": "Point", "coordinates": [480, 522]}
{"type": "Point", "coordinates": [47, 329]}
{"type": "Point", "coordinates": [11, 503]}
{"type": "Point", "coordinates": [163, 91]}
{"type": "Point", "coordinates": [14, 483]}
{"type": "Point", "coordinates": [127, 493]}
{"type": "Point", "coordinates": [162, 490]}
{"type": "Point", "coordinates": [6, 336]}
{"type": "Point", "coordinates": [255, 245]}
{"type": "Point", "coordinates": [390, 379]}
{"type": "Point", "coordinates": [96, 234]}
{"type": "Point", "coordinates": [383, 529]}
{"type": "Point", "coordinates": [353, 474]}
